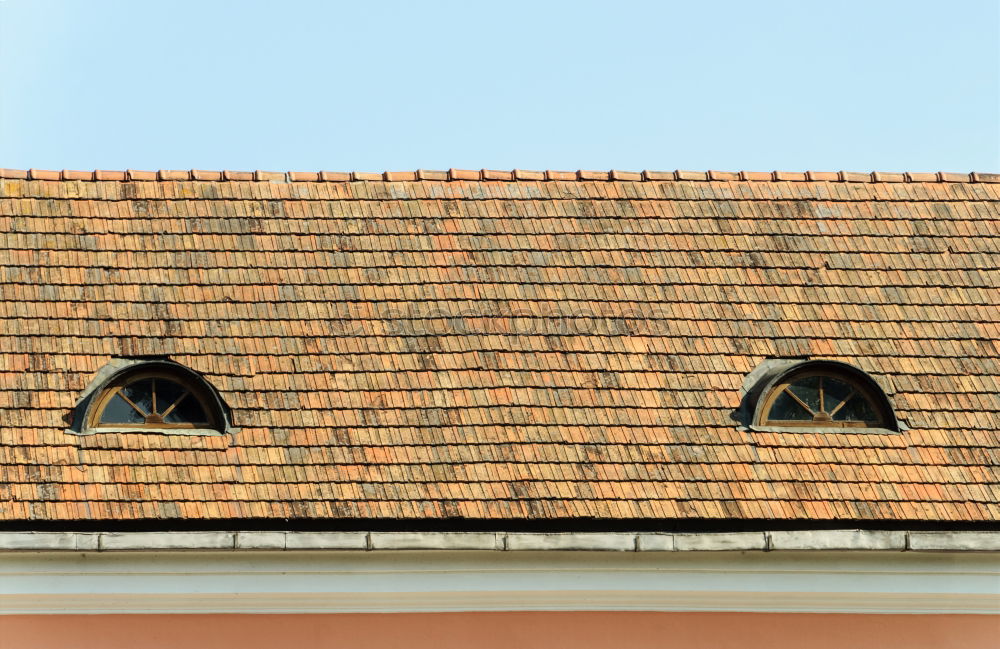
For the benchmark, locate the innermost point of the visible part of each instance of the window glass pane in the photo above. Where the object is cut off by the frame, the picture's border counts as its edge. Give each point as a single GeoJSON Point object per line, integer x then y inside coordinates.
{"type": "Point", "coordinates": [834, 392]}
{"type": "Point", "coordinates": [857, 409]}
{"type": "Point", "coordinates": [118, 411]}
{"type": "Point", "coordinates": [785, 408]}
{"type": "Point", "coordinates": [167, 392]}
{"type": "Point", "coordinates": [188, 411]}
{"type": "Point", "coordinates": [808, 390]}
{"type": "Point", "coordinates": [141, 394]}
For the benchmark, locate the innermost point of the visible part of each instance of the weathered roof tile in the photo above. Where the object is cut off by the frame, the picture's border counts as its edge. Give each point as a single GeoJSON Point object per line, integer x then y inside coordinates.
{"type": "Point", "coordinates": [558, 345]}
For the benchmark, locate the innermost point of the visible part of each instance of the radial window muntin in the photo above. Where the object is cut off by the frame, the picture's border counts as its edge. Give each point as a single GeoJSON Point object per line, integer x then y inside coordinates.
{"type": "Point", "coordinates": [823, 398]}
{"type": "Point", "coordinates": [175, 402]}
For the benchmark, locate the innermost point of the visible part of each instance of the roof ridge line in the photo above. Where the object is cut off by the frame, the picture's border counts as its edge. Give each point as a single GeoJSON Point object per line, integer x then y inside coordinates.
{"type": "Point", "coordinates": [500, 175]}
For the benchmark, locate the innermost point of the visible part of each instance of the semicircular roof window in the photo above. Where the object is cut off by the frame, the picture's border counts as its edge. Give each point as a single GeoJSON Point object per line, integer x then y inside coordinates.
{"type": "Point", "coordinates": [825, 396]}
{"type": "Point", "coordinates": [155, 398]}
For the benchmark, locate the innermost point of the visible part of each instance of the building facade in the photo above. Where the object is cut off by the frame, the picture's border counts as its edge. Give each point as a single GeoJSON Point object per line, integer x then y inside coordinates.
{"type": "Point", "coordinates": [499, 408]}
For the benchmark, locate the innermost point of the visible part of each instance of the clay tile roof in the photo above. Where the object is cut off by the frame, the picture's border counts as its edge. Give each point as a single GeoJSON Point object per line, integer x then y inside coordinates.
{"type": "Point", "coordinates": [501, 345]}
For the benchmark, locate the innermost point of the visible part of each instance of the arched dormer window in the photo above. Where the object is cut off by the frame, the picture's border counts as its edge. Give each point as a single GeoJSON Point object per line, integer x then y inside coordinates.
{"type": "Point", "coordinates": [158, 396]}
{"type": "Point", "coordinates": [823, 394]}
{"type": "Point", "coordinates": [152, 399]}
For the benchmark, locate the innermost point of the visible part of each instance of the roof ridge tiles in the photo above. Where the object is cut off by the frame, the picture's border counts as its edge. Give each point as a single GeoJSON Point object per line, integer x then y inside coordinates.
{"type": "Point", "coordinates": [500, 175]}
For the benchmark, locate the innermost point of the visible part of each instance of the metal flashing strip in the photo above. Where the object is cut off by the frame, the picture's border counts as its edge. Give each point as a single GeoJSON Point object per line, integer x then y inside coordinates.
{"type": "Point", "coordinates": [807, 540]}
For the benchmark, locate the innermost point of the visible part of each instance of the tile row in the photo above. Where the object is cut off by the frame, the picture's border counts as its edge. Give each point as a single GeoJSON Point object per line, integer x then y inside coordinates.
{"type": "Point", "coordinates": [499, 190]}
{"type": "Point", "coordinates": [705, 473]}
{"type": "Point", "coordinates": [350, 379]}
{"type": "Point", "coordinates": [504, 510]}
{"type": "Point", "coordinates": [504, 453]}
{"type": "Point", "coordinates": [539, 489]}
{"type": "Point", "coordinates": [573, 213]}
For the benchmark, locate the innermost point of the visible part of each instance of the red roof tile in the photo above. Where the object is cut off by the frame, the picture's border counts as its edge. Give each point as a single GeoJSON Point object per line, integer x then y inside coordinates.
{"type": "Point", "coordinates": [500, 344]}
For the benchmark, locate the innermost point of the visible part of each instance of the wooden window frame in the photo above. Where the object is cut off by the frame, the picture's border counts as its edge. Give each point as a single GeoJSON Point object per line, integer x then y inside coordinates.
{"type": "Point", "coordinates": [874, 399]}
{"type": "Point", "coordinates": [194, 390]}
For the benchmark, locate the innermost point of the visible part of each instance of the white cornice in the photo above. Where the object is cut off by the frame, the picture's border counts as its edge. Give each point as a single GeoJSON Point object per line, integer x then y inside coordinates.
{"type": "Point", "coordinates": [329, 581]}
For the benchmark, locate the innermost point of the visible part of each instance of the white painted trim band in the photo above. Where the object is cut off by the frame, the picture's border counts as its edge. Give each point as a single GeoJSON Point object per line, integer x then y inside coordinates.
{"type": "Point", "coordinates": [806, 540]}
{"type": "Point", "coordinates": [458, 602]}
{"type": "Point", "coordinates": [337, 581]}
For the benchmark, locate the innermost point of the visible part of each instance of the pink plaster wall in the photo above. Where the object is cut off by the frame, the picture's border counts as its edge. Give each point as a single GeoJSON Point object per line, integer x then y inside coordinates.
{"type": "Point", "coordinates": [624, 630]}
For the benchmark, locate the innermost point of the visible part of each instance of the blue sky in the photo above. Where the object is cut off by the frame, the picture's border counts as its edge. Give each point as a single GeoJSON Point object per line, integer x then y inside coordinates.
{"type": "Point", "coordinates": [307, 85]}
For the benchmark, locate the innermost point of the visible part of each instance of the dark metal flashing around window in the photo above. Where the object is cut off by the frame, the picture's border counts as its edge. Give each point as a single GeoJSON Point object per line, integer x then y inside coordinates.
{"type": "Point", "coordinates": [118, 367]}
{"type": "Point", "coordinates": [760, 382]}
